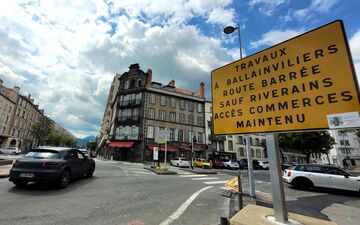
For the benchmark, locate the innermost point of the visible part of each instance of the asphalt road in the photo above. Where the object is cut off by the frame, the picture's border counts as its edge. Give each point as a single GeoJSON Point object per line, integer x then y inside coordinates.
{"type": "Point", "coordinates": [117, 194]}
{"type": "Point", "coordinates": [124, 193]}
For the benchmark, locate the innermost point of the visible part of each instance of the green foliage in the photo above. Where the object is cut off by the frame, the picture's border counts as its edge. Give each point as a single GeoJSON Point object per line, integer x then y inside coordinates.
{"type": "Point", "coordinates": [41, 130]}
{"type": "Point", "coordinates": [57, 138]}
{"type": "Point", "coordinates": [91, 145]}
{"type": "Point", "coordinates": [307, 142]}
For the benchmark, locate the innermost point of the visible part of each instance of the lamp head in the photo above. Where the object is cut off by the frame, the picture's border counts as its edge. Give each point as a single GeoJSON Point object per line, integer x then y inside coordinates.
{"type": "Point", "coordinates": [229, 29]}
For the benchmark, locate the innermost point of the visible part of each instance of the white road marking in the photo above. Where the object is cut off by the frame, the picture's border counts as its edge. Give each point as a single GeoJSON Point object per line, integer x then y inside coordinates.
{"type": "Point", "coordinates": [205, 178]}
{"type": "Point", "coordinates": [216, 182]}
{"type": "Point", "coordinates": [194, 175]}
{"type": "Point", "coordinates": [183, 207]}
{"type": "Point", "coordinates": [142, 172]}
{"type": "Point", "coordinates": [225, 188]}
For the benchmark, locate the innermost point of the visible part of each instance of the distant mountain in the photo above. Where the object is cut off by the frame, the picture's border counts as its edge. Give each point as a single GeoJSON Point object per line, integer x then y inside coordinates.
{"type": "Point", "coordinates": [81, 142]}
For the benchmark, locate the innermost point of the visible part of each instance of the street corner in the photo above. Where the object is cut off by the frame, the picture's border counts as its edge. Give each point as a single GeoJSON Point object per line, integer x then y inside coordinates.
{"type": "Point", "coordinates": [200, 171]}
{"type": "Point", "coordinates": [342, 214]}
{"type": "Point", "coordinates": [161, 170]}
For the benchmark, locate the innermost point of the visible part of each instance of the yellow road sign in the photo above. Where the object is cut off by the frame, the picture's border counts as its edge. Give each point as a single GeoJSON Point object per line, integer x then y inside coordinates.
{"type": "Point", "coordinates": [233, 184]}
{"type": "Point", "coordinates": [305, 83]}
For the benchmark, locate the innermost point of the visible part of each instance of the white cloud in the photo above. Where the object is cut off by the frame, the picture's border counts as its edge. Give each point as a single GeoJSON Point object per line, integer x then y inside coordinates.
{"type": "Point", "coordinates": [354, 43]}
{"type": "Point", "coordinates": [274, 37]}
{"type": "Point", "coordinates": [65, 54]}
{"type": "Point", "coordinates": [315, 7]}
{"type": "Point", "coordinates": [266, 7]}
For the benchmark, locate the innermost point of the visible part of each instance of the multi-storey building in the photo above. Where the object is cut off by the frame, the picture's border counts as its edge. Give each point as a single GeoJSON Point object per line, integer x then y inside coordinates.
{"type": "Point", "coordinates": [144, 109]}
{"type": "Point", "coordinates": [18, 113]}
{"type": "Point", "coordinates": [231, 146]}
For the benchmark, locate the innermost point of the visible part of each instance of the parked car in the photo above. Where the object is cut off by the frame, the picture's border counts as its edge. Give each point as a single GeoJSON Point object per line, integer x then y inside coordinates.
{"type": "Point", "coordinates": [204, 163]}
{"type": "Point", "coordinates": [180, 162]}
{"type": "Point", "coordinates": [231, 164]}
{"type": "Point", "coordinates": [217, 164]}
{"type": "Point", "coordinates": [10, 151]}
{"type": "Point", "coordinates": [244, 164]}
{"type": "Point", "coordinates": [306, 176]}
{"type": "Point", "coordinates": [85, 152]}
{"type": "Point", "coordinates": [56, 164]}
{"type": "Point", "coordinates": [264, 165]}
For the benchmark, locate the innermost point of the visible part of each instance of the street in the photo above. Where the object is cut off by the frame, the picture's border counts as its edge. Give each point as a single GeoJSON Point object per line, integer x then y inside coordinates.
{"type": "Point", "coordinates": [126, 193]}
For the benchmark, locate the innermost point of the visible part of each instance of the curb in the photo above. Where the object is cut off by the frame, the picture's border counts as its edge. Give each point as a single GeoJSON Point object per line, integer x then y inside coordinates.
{"type": "Point", "coordinates": [199, 171]}
{"type": "Point", "coordinates": [168, 172]}
{"type": "Point", "coordinates": [2, 176]}
{"type": "Point", "coordinates": [5, 162]}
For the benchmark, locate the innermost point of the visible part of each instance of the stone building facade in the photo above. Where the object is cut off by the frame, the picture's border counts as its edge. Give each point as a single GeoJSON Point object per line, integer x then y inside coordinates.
{"type": "Point", "coordinates": [143, 110]}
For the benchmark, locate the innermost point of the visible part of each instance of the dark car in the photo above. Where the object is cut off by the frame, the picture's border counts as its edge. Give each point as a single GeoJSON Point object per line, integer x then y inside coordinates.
{"type": "Point", "coordinates": [217, 164]}
{"type": "Point", "coordinates": [244, 165]}
{"type": "Point", "coordinates": [51, 164]}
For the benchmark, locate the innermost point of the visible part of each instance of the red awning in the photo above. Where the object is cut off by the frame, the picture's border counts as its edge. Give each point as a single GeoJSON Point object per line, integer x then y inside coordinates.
{"type": "Point", "coordinates": [121, 144]}
{"type": "Point", "coordinates": [162, 147]}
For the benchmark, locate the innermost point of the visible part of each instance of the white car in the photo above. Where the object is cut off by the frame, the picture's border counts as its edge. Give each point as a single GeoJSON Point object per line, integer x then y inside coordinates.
{"type": "Point", "coordinates": [231, 164]}
{"type": "Point", "coordinates": [307, 176]}
{"type": "Point", "coordinates": [180, 162]}
{"type": "Point", "coordinates": [264, 165]}
{"type": "Point", "coordinates": [10, 151]}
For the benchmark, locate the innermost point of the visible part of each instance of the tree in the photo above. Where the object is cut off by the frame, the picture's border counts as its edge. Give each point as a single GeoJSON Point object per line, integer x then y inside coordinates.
{"type": "Point", "coordinates": [41, 130]}
{"type": "Point", "coordinates": [308, 142]}
{"type": "Point", "coordinates": [57, 138]}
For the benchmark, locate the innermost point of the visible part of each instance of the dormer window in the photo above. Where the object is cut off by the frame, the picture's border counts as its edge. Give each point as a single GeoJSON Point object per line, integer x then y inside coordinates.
{"type": "Point", "coordinates": [126, 85]}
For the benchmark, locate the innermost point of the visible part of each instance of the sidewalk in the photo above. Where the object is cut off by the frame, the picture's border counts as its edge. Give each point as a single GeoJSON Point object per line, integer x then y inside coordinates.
{"type": "Point", "coordinates": [4, 171]}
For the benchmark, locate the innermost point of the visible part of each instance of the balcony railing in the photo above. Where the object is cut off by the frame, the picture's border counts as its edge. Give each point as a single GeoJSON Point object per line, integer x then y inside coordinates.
{"type": "Point", "coordinates": [133, 102]}
{"type": "Point", "coordinates": [217, 137]}
{"type": "Point", "coordinates": [128, 118]}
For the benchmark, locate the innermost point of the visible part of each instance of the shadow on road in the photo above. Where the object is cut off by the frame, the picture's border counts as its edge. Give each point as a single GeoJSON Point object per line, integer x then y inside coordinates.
{"type": "Point", "coordinates": [50, 187]}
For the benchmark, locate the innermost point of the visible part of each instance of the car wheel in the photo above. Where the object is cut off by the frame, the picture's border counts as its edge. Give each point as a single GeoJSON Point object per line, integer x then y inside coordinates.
{"type": "Point", "coordinates": [228, 167]}
{"type": "Point", "coordinates": [90, 172]}
{"type": "Point", "coordinates": [1, 152]}
{"type": "Point", "coordinates": [177, 165]}
{"type": "Point", "coordinates": [20, 183]}
{"type": "Point", "coordinates": [64, 179]}
{"type": "Point", "coordinates": [302, 184]}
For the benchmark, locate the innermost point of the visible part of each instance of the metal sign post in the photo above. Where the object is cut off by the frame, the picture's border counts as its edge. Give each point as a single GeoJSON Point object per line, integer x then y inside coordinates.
{"type": "Point", "coordinates": [250, 167]}
{"type": "Point", "coordinates": [165, 151]}
{"type": "Point", "coordinates": [277, 186]}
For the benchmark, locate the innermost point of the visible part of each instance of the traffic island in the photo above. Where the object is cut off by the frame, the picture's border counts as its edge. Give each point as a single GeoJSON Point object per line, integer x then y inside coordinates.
{"type": "Point", "coordinates": [254, 214]}
{"type": "Point", "coordinates": [161, 170]}
{"type": "Point", "coordinates": [200, 171]}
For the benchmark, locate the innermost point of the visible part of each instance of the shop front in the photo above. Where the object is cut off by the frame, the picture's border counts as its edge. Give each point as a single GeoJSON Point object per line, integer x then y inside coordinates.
{"type": "Point", "coordinates": [121, 150]}
{"type": "Point", "coordinates": [185, 149]}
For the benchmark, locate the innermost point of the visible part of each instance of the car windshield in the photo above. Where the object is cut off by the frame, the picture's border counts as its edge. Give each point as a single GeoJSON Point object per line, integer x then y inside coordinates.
{"type": "Point", "coordinates": [204, 160]}
{"type": "Point", "coordinates": [42, 155]}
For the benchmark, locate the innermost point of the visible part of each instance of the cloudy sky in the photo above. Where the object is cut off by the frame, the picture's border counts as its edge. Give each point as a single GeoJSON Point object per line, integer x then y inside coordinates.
{"type": "Point", "coordinates": [65, 53]}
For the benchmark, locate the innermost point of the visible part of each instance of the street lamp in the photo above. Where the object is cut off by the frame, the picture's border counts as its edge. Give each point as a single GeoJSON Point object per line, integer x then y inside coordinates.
{"type": "Point", "coordinates": [231, 29]}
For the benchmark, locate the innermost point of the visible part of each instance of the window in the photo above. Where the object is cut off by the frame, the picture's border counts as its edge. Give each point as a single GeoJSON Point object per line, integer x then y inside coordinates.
{"type": "Point", "coordinates": [199, 108]}
{"type": "Point", "coordinates": [151, 113]}
{"type": "Point", "coordinates": [191, 119]}
{"type": "Point", "coordinates": [162, 100]}
{"type": "Point", "coordinates": [126, 85]}
{"type": "Point", "coordinates": [182, 118]}
{"type": "Point", "coordinates": [221, 146]}
{"type": "Point", "coordinates": [265, 153]}
{"type": "Point", "coordinates": [200, 121]}
{"type": "Point", "coordinates": [252, 152]}
{"type": "Point", "coordinates": [162, 115]}
{"type": "Point", "coordinates": [341, 142]}
{"type": "Point", "coordinates": [172, 117]}
{"type": "Point", "coordinates": [172, 135]}
{"type": "Point", "coordinates": [152, 98]}
{"type": "Point", "coordinates": [181, 135]}
{"type": "Point", "coordinates": [191, 106]}
{"type": "Point", "coordinates": [258, 153]}
{"type": "Point", "coordinates": [173, 102]}
{"type": "Point", "coordinates": [150, 132]}
{"type": "Point", "coordinates": [240, 140]}
{"type": "Point", "coordinates": [200, 138]}
{"type": "Point", "coordinates": [230, 145]}
{"type": "Point", "coordinates": [241, 151]}
{"type": "Point", "coordinates": [214, 145]}
{"type": "Point", "coordinates": [257, 141]}
{"type": "Point", "coordinates": [182, 104]}
{"type": "Point", "coordinates": [190, 136]}
{"type": "Point", "coordinates": [347, 142]}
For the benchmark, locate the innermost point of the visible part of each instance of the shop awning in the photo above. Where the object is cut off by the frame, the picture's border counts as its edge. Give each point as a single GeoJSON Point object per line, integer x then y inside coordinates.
{"type": "Point", "coordinates": [121, 144]}
{"type": "Point", "coordinates": [162, 147]}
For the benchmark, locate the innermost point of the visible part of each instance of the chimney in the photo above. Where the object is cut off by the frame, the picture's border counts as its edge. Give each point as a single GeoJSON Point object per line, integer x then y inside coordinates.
{"type": "Point", "coordinates": [17, 89]}
{"type": "Point", "coordinates": [31, 100]}
{"type": "Point", "coordinates": [202, 89]}
{"type": "Point", "coordinates": [29, 96]}
{"type": "Point", "coordinates": [171, 83]}
{"type": "Point", "coordinates": [149, 77]}
{"type": "Point", "coordinates": [1, 82]}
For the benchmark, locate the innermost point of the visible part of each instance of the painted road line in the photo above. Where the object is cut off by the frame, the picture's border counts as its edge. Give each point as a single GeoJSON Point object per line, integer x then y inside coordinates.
{"type": "Point", "coordinates": [142, 172]}
{"type": "Point", "coordinates": [205, 178]}
{"type": "Point", "coordinates": [183, 207]}
{"type": "Point", "coordinates": [194, 175]}
{"type": "Point", "coordinates": [216, 182]}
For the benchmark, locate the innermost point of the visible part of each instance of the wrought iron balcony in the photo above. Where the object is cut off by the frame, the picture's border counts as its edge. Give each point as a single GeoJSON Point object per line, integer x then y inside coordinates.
{"type": "Point", "coordinates": [217, 137]}
{"type": "Point", "coordinates": [127, 119]}
{"type": "Point", "coordinates": [134, 102]}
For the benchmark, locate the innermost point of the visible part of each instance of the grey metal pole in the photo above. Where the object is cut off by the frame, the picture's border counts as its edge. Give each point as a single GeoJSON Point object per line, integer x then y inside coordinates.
{"type": "Point", "coordinates": [192, 148]}
{"type": "Point", "coordinates": [238, 27]}
{"type": "Point", "coordinates": [277, 187]}
{"type": "Point", "coordinates": [250, 167]}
